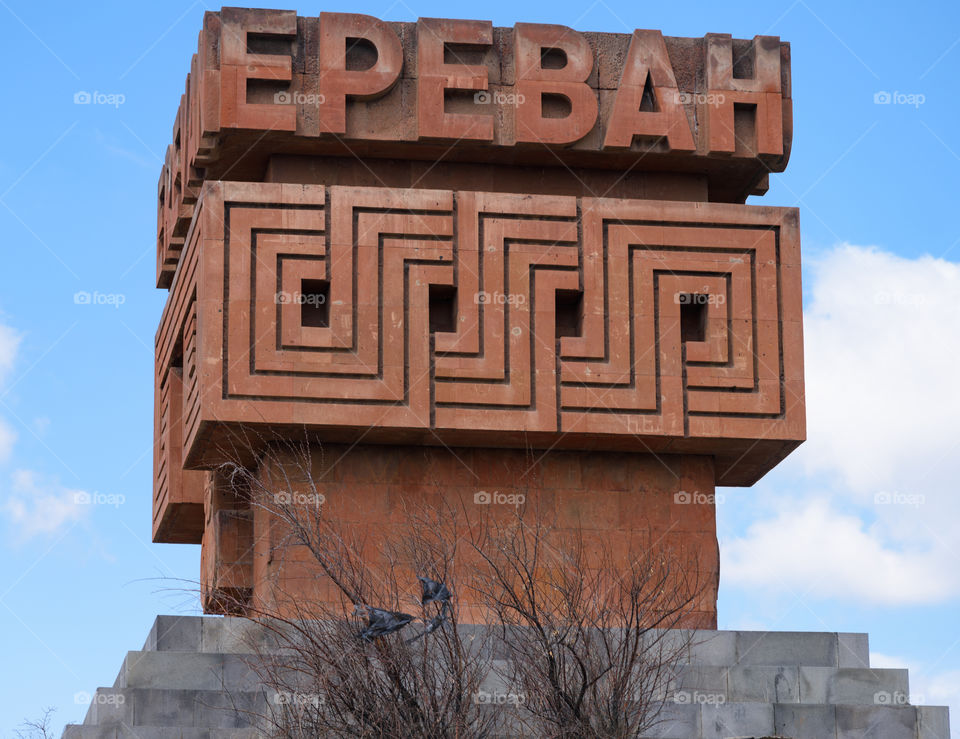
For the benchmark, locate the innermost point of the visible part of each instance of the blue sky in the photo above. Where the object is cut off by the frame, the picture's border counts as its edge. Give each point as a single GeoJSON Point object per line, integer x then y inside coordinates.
{"type": "Point", "coordinates": [857, 531]}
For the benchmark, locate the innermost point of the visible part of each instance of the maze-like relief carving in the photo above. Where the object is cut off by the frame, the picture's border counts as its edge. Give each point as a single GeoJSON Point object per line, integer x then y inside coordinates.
{"type": "Point", "coordinates": [486, 319]}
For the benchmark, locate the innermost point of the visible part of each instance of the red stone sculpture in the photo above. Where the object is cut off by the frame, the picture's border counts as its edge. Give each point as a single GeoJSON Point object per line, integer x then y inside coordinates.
{"type": "Point", "coordinates": [446, 241]}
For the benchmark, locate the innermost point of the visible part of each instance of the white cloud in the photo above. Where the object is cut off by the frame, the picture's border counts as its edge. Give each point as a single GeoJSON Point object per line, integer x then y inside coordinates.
{"type": "Point", "coordinates": [882, 345]}
{"type": "Point", "coordinates": [38, 507]}
{"type": "Point", "coordinates": [882, 353]}
{"type": "Point", "coordinates": [31, 506]}
{"type": "Point", "coordinates": [812, 549]}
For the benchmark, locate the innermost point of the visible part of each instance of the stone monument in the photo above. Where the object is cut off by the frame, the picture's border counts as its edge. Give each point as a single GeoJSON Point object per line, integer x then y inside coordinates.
{"type": "Point", "coordinates": [435, 244]}
{"type": "Point", "coordinates": [472, 263]}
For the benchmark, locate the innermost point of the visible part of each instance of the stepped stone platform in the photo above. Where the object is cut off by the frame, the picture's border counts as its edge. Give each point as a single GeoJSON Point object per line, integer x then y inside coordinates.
{"type": "Point", "coordinates": [193, 680]}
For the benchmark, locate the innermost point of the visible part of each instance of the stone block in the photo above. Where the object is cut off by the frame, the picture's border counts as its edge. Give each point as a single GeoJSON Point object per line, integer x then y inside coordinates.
{"type": "Point", "coordinates": [763, 684]}
{"type": "Point", "coordinates": [675, 721]}
{"type": "Point", "coordinates": [219, 710]}
{"type": "Point", "coordinates": [175, 634]}
{"type": "Point", "coordinates": [240, 672]}
{"type": "Point", "coordinates": [716, 648]}
{"type": "Point", "coordinates": [699, 683]}
{"type": "Point", "coordinates": [736, 720]}
{"type": "Point", "coordinates": [75, 731]}
{"type": "Point", "coordinates": [853, 686]}
{"type": "Point", "coordinates": [805, 721]}
{"type": "Point", "coordinates": [172, 670]}
{"type": "Point", "coordinates": [853, 650]}
{"type": "Point", "coordinates": [230, 635]}
{"type": "Point", "coordinates": [933, 722]}
{"type": "Point", "coordinates": [152, 732]}
{"type": "Point", "coordinates": [164, 707]}
{"type": "Point", "coordinates": [498, 680]}
{"type": "Point", "coordinates": [110, 705]}
{"type": "Point", "coordinates": [876, 722]}
{"type": "Point", "coordinates": [786, 648]}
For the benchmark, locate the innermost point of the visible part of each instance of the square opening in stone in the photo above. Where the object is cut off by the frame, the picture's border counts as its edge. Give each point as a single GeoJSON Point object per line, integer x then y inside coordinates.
{"type": "Point", "coordinates": [443, 309]}
{"type": "Point", "coordinates": [569, 312]}
{"type": "Point", "coordinates": [314, 302]}
{"type": "Point", "coordinates": [693, 317]}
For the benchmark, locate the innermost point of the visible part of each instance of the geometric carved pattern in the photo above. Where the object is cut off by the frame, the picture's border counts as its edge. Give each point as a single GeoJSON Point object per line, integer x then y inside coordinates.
{"type": "Point", "coordinates": [621, 375]}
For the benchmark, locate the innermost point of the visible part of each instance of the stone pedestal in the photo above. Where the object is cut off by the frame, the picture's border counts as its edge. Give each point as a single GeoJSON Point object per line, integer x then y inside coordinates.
{"type": "Point", "coordinates": [192, 680]}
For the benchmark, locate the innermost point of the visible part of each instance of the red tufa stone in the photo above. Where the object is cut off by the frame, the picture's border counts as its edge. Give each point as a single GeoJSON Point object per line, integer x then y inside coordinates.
{"type": "Point", "coordinates": [509, 260]}
{"type": "Point", "coordinates": [621, 376]}
{"type": "Point", "coordinates": [265, 82]}
{"type": "Point", "coordinates": [245, 560]}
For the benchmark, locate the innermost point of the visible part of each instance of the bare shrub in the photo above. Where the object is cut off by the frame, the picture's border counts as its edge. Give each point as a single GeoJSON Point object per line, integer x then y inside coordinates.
{"type": "Point", "coordinates": [40, 728]}
{"type": "Point", "coordinates": [324, 679]}
{"type": "Point", "coordinates": [590, 648]}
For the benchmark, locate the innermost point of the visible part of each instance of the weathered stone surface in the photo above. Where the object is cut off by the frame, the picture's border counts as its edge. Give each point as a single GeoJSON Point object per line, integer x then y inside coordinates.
{"type": "Point", "coordinates": [621, 500]}
{"type": "Point", "coordinates": [881, 722]}
{"type": "Point", "coordinates": [870, 686]}
{"type": "Point", "coordinates": [234, 636]}
{"type": "Point", "coordinates": [175, 634]}
{"type": "Point", "coordinates": [172, 670]}
{"type": "Point", "coordinates": [157, 732]}
{"type": "Point", "coordinates": [698, 683]}
{"type": "Point", "coordinates": [805, 721]}
{"type": "Point", "coordinates": [853, 650]}
{"type": "Point", "coordinates": [933, 722]}
{"type": "Point", "coordinates": [182, 681]}
{"type": "Point", "coordinates": [717, 648]}
{"type": "Point", "coordinates": [764, 684]}
{"type": "Point", "coordinates": [677, 721]}
{"type": "Point", "coordinates": [109, 705]}
{"type": "Point", "coordinates": [358, 376]}
{"type": "Point", "coordinates": [787, 648]}
{"type": "Point", "coordinates": [736, 720]}
{"type": "Point", "coordinates": [243, 103]}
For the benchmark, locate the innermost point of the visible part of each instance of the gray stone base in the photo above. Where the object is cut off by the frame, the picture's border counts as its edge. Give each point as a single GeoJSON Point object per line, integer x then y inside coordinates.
{"type": "Point", "coordinates": [191, 680]}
